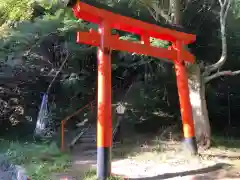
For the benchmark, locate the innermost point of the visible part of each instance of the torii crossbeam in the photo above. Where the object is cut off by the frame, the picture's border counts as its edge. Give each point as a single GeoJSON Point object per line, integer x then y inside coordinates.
{"type": "Point", "coordinates": [107, 19]}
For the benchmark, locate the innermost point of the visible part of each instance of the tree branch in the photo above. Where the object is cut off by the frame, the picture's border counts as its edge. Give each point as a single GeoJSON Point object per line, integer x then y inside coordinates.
{"type": "Point", "coordinates": [223, 15]}
{"type": "Point", "coordinates": [161, 12]}
{"type": "Point", "coordinates": [153, 7]}
{"type": "Point", "coordinates": [221, 73]}
{"type": "Point", "coordinates": [59, 70]}
{"type": "Point", "coordinates": [220, 2]}
{"type": "Point", "coordinates": [152, 14]}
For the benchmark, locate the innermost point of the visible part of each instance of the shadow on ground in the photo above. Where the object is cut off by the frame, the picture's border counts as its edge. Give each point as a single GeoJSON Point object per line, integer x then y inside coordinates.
{"type": "Point", "coordinates": [207, 170]}
{"type": "Point", "coordinates": [220, 156]}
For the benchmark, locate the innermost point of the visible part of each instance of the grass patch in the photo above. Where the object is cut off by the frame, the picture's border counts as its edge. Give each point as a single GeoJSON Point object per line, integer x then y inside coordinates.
{"type": "Point", "coordinates": [40, 160]}
{"type": "Point", "coordinates": [91, 175]}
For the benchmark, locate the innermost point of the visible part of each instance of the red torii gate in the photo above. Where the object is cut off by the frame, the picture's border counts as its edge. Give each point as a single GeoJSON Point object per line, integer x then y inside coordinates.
{"type": "Point", "coordinates": [108, 18]}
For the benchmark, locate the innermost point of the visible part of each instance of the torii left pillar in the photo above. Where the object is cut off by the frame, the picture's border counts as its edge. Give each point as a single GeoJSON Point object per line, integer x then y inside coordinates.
{"type": "Point", "coordinates": [104, 113]}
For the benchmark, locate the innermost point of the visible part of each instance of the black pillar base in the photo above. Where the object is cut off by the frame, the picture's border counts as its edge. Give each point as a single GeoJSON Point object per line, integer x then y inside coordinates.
{"type": "Point", "coordinates": [103, 163]}
{"type": "Point", "coordinates": [191, 145]}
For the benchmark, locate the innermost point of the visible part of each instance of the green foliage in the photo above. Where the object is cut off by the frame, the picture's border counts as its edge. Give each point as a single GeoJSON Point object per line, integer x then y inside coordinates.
{"type": "Point", "coordinates": [15, 10]}
{"type": "Point", "coordinates": [23, 34]}
{"type": "Point", "coordinates": [130, 38]}
{"type": "Point", "coordinates": [226, 142]}
{"type": "Point", "coordinates": [159, 43]}
{"type": "Point", "coordinates": [31, 39]}
{"type": "Point", "coordinates": [52, 5]}
{"type": "Point", "coordinates": [236, 8]}
{"type": "Point", "coordinates": [39, 160]}
{"type": "Point", "coordinates": [30, 34]}
{"type": "Point", "coordinates": [91, 175]}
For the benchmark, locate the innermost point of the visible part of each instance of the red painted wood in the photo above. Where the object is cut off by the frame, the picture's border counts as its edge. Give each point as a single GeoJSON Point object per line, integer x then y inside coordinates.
{"type": "Point", "coordinates": [106, 41]}
{"type": "Point", "coordinates": [104, 100]}
{"type": "Point", "coordinates": [93, 38]}
{"type": "Point", "coordinates": [95, 15]}
{"type": "Point", "coordinates": [183, 92]}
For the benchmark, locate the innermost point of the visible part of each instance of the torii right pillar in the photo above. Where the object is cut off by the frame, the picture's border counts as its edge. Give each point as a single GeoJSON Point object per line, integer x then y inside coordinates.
{"type": "Point", "coordinates": [184, 99]}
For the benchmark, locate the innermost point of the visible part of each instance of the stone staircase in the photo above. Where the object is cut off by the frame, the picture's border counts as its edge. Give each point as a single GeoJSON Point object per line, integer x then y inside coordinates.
{"type": "Point", "coordinates": [87, 142]}
{"type": "Point", "coordinates": [84, 149]}
{"type": "Point", "coordinates": [84, 152]}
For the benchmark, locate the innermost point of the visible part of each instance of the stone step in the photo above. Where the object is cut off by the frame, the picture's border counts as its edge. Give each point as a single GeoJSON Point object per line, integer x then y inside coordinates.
{"type": "Point", "coordinates": [83, 149]}
{"type": "Point", "coordinates": [89, 136]}
{"type": "Point", "coordinates": [87, 139]}
{"type": "Point", "coordinates": [80, 150]}
{"type": "Point", "coordinates": [93, 136]}
{"type": "Point", "coordinates": [91, 132]}
{"type": "Point", "coordinates": [88, 145]}
{"type": "Point", "coordinates": [89, 152]}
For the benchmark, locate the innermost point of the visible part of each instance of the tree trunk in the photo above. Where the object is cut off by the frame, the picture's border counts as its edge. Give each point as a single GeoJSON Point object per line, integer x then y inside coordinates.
{"type": "Point", "coordinates": [196, 85]}
{"type": "Point", "coordinates": [175, 11]}
{"type": "Point", "coordinates": [199, 106]}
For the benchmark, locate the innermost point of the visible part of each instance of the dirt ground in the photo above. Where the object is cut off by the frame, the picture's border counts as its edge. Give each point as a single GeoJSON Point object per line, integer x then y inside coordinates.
{"type": "Point", "coordinates": [170, 162]}
{"type": "Point", "coordinates": [152, 159]}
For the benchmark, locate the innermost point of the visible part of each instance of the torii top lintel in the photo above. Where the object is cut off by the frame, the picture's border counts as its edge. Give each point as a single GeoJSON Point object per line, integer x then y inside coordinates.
{"type": "Point", "coordinates": [94, 12]}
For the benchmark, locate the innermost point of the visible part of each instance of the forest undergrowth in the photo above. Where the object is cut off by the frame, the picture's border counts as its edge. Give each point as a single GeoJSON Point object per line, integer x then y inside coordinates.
{"type": "Point", "coordinates": [39, 160]}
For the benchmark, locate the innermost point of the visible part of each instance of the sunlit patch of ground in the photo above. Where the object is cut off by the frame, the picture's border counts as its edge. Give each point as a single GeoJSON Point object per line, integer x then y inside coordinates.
{"type": "Point", "coordinates": [144, 158]}
{"type": "Point", "coordinates": [168, 160]}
